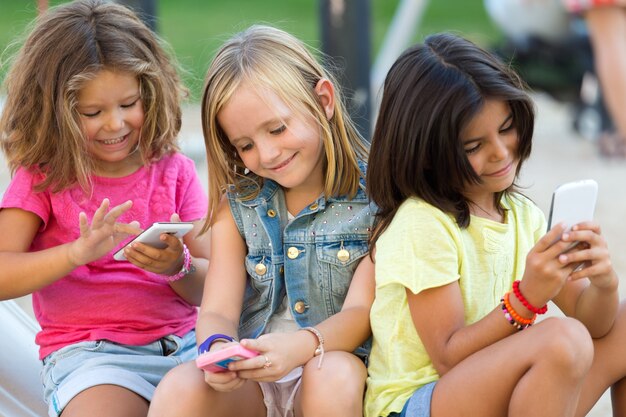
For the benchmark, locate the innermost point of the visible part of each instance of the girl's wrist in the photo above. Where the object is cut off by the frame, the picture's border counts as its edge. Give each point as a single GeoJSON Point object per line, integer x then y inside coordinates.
{"type": "Point", "coordinates": [523, 292]}
{"type": "Point", "coordinates": [187, 267]}
{"type": "Point", "coordinates": [70, 257]}
{"type": "Point", "coordinates": [318, 349]}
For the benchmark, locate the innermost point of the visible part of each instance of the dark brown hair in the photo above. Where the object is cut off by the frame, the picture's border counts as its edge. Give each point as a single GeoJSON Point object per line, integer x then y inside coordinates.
{"type": "Point", "coordinates": [430, 93]}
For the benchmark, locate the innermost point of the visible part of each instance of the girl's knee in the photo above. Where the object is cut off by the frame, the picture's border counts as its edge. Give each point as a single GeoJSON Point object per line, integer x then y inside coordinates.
{"type": "Point", "coordinates": [567, 343]}
{"type": "Point", "coordinates": [182, 385]}
{"type": "Point", "coordinates": [340, 379]}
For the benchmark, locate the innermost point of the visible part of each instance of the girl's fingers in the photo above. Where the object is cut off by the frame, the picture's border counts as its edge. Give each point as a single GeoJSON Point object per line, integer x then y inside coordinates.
{"type": "Point", "coordinates": [550, 239]}
{"type": "Point", "coordinates": [593, 226]}
{"type": "Point", "coordinates": [131, 228]}
{"type": "Point", "coordinates": [117, 211]}
{"type": "Point", "coordinates": [100, 213]}
{"type": "Point", "coordinates": [83, 224]}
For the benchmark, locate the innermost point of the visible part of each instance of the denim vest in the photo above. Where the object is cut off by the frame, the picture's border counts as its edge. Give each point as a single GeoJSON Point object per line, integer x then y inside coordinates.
{"type": "Point", "coordinates": [310, 259]}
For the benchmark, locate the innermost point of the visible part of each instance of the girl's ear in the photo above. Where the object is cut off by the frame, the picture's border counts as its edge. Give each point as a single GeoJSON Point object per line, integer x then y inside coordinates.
{"type": "Point", "coordinates": [326, 92]}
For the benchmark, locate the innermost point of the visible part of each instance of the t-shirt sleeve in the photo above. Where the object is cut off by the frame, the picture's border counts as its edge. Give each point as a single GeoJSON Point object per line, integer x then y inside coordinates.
{"type": "Point", "coordinates": [193, 202]}
{"type": "Point", "coordinates": [419, 250]}
{"type": "Point", "coordinates": [20, 194]}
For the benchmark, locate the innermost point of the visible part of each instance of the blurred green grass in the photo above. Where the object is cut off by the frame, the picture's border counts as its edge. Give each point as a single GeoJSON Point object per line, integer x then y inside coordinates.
{"type": "Point", "coordinates": [196, 28]}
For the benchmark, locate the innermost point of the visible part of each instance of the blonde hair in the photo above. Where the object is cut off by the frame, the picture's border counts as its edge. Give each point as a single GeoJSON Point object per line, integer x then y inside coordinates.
{"type": "Point", "coordinates": [40, 127]}
{"type": "Point", "coordinates": [269, 58]}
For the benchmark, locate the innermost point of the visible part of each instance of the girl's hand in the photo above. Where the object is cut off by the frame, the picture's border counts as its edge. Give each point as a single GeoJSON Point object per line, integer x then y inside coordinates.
{"type": "Point", "coordinates": [166, 261]}
{"type": "Point", "coordinates": [102, 235]}
{"type": "Point", "coordinates": [224, 381]}
{"type": "Point", "coordinates": [276, 358]}
{"type": "Point", "coordinates": [545, 273]}
{"type": "Point", "coordinates": [592, 259]}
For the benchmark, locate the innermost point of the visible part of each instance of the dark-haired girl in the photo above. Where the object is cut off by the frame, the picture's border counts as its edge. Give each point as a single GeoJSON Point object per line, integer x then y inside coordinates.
{"type": "Point", "coordinates": [462, 260]}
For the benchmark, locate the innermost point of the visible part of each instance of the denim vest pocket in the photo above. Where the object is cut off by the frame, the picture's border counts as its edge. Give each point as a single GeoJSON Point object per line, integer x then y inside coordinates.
{"type": "Point", "coordinates": [257, 297]}
{"type": "Point", "coordinates": [336, 274]}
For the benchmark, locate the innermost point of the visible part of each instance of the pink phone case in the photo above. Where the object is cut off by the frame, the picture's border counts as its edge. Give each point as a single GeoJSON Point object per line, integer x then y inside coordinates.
{"type": "Point", "coordinates": [218, 361]}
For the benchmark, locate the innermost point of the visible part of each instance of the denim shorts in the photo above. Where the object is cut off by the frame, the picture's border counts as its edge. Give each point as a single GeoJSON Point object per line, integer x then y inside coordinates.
{"type": "Point", "coordinates": [74, 368]}
{"type": "Point", "coordinates": [419, 403]}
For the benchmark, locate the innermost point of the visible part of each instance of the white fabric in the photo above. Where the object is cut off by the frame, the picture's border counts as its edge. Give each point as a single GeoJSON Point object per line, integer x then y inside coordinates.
{"type": "Point", "coordinates": [282, 320]}
{"type": "Point", "coordinates": [519, 19]}
{"type": "Point", "coordinates": [21, 392]}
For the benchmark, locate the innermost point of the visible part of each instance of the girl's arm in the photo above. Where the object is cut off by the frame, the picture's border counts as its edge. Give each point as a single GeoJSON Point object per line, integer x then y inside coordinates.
{"type": "Point", "coordinates": [439, 319]}
{"type": "Point", "coordinates": [439, 313]}
{"type": "Point", "coordinates": [223, 291]}
{"type": "Point", "coordinates": [23, 272]}
{"type": "Point", "coordinates": [226, 278]}
{"type": "Point", "coordinates": [349, 328]}
{"type": "Point", "coordinates": [191, 286]}
{"type": "Point", "coordinates": [591, 294]}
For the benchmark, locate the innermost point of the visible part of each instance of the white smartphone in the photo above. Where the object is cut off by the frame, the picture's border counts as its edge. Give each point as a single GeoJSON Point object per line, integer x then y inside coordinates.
{"type": "Point", "coordinates": [151, 236]}
{"type": "Point", "coordinates": [573, 203]}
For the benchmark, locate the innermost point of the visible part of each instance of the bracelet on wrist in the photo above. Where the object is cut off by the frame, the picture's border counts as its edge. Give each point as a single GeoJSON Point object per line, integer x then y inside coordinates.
{"type": "Point", "coordinates": [206, 345]}
{"type": "Point", "coordinates": [319, 351]}
{"type": "Point", "coordinates": [519, 320]}
{"type": "Point", "coordinates": [523, 300]}
{"type": "Point", "coordinates": [188, 267]}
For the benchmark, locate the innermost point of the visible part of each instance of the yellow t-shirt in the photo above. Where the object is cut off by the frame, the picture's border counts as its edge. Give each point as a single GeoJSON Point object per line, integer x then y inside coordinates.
{"type": "Point", "coordinates": [424, 248]}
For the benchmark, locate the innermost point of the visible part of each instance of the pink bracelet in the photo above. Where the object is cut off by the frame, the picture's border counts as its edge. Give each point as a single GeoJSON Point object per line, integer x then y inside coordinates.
{"type": "Point", "coordinates": [186, 269]}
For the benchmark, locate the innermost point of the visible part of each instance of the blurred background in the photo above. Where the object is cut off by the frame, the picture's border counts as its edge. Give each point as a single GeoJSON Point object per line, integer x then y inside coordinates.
{"type": "Point", "coordinates": [547, 45]}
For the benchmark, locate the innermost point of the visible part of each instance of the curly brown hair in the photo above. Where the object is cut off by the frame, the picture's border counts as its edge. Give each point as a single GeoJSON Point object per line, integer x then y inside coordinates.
{"type": "Point", "coordinates": [40, 126]}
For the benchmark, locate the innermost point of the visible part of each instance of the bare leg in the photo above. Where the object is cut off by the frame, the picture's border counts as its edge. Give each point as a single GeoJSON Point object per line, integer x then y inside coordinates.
{"type": "Point", "coordinates": [608, 368]}
{"type": "Point", "coordinates": [334, 390]}
{"type": "Point", "coordinates": [536, 372]}
{"type": "Point", "coordinates": [183, 392]}
{"type": "Point", "coordinates": [618, 398]}
{"type": "Point", "coordinates": [607, 29]}
{"type": "Point", "coordinates": [107, 400]}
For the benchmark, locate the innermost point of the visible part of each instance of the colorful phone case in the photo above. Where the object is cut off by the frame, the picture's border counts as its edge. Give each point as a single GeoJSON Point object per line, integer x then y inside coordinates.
{"type": "Point", "coordinates": [218, 361]}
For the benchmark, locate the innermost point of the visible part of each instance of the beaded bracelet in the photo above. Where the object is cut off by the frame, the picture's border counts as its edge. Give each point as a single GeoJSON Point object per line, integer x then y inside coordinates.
{"type": "Point", "coordinates": [519, 319]}
{"type": "Point", "coordinates": [508, 317]}
{"type": "Point", "coordinates": [524, 301]}
{"type": "Point", "coordinates": [320, 347]}
{"type": "Point", "coordinates": [186, 269]}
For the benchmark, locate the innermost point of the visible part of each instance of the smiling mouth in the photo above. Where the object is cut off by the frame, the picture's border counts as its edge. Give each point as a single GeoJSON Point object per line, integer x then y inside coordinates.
{"type": "Point", "coordinates": [501, 171]}
{"type": "Point", "coordinates": [115, 140]}
{"type": "Point", "coordinates": [285, 163]}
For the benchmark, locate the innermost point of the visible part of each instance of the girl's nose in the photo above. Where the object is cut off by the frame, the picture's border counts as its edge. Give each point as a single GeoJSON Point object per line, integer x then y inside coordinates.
{"type": "Point", "coordinates": [115, 121]}
{"type": "Point", "coordinates": [500, 149]}
{"type": "Point", "coordinates": [268, 152]}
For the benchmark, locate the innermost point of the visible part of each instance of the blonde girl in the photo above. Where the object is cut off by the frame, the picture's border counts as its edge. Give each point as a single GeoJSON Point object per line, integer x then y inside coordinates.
{"type": "Point", "coordinates": [290, 277]}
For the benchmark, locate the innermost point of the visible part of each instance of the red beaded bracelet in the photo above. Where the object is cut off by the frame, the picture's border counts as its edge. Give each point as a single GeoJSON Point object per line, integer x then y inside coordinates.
{"type": "Point", "coordinates": [524, 301]}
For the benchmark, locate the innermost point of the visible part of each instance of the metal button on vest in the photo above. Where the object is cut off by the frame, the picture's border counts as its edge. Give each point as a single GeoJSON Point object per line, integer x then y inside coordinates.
{"type": "Point", "coordinates": [343, 255]}
{"type": "Point", "coordinates": [260, 269]}
{"type": "Point", "coordinates": [313, 206]}
{"type": "Point", "coordinates": [271, 213]}
{"type": "Point", "coordinates": [293, 252]}
{"type": "Point", "coordinates": [300, 307]}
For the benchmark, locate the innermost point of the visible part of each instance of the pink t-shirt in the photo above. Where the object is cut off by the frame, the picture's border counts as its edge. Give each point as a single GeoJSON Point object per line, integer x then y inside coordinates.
{"type": "Point", "coordinates": [108, 299]}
